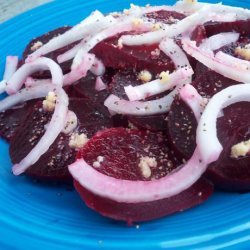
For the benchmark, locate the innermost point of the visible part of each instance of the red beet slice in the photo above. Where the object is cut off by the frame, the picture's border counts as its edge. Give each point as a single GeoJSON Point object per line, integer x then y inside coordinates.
{"type": "Point", "coordinates": [145, 211]}
{"type": "Point", "coordinates": [141, 57]}
{"type": "Point", "coordinates": [229, 173]}
{"type": "Point", "coordinates": [241, 26]}
{"type": "Point", "coordinates": [130, 77]}
{"type": "Point", "coordinates": [226, 173]}
{"type": "Point", "coordinates": [85, 87]}
{"type": "Point", "coordinates": [53, 164]}
{"type": "Point", "coordinates": [122, 149]}
{"type": "Point", "coordinates": [53, 55]}
{"type": "Point", "coordinates": [167, 17]}
{"type": "Point", "coordinates": [11, 119]}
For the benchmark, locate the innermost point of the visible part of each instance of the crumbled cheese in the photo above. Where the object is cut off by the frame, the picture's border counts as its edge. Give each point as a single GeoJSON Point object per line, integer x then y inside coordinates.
{"type": "Point", "coordinates": [145, 76]}
{"type": "Point", "coordinates": [36, 45]}
{"type": "Point", "coordinates": [96, 164]}
{"type": "Point", "coordinates": [120, 43]}
{"type": "Point", "coordinates": [191, 1]}
{"type": "Point", "coordinates": [145, 164]}
{"type": "Point", "coordinates": [78, 140]}
{"type": "Point", "coordinates": [50, 102]}
{"type": "Point", "coordinates": [137, 22]}
{"type": "Point", "coordinates": [100, 158]}
{"type": "Point", "coordinates": [243, 52]}
{"type": "Point", "coordinates": [164, 76]}
{"type": "Point", "coordinates": [156, 26]}
{"type": "Point", "coordinates": [155, 52]}
{"type": "Point", "coordinates": [240, 149]}
{"type": "Point", "coordinates": [71, 122]}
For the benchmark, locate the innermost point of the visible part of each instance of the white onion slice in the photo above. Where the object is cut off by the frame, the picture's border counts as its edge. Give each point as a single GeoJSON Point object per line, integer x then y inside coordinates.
{"type": "Point", "coordinates": [88, 26]}
{"type": "Point", "coordinates": [193, 99]}
{"type": "Point", "coordinates": [16, 81]}
{"type": "Point", "coordinates": [155, 87]}
{"type": "Point", "coordinates": [138, 191]}
{"type": "Point", "coordinates": [10, 69]}
{"type": "Point", "coordinates": [207, 140]}
{"type": "Point", "coordinates": [99, 84]}
{"type": "Point", "coordinates": [219, 40]}
{"type": "Point", "coordinates": [30, 81]}
{"type": "Point", "coordinates": [222, 67]}
{"type": "Point", "coordinates": [172, 50]}
{"type": "Point", "coordinates": [79, 69]}
{"type": "Point", "coordinates": [98, 67]}
{"type": "Point", "coordinates": [138, 108]}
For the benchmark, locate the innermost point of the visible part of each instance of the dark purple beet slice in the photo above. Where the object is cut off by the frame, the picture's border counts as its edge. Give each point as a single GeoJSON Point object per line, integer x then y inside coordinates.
{"type": "Point", "coordinates": [182, 128]}
{"type": "Point", "coordinates": [53, 164]}
{"type": "Point", "coordinates": [144, 211]}
{"type": "Point", "coordinates": [133, 57]}
{"type": "Point", "coordinates": [181, 121]}
{"type": "Point", "coordinates": [167, 17]}
{"type": "Point", "coordinates": [122, 150]}
{"type": "Point", "coordinates": [138, 57]}
{"type": "Point", "coordinates": [229, 173]}
{"type": "Point", "coordinates": [86, 87]}
{"type": "Point", "coordinates": [241, 26]}
{"type": "Point", "coordinates": [130, 77]}
{"type": "Point", "coordinates": [11, 119]}
{"type": "Point", "coordinates": [53, 55]}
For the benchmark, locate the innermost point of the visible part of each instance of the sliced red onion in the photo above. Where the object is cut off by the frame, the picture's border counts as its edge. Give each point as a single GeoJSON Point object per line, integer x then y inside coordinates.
{"type": "Point", "coordinates": [16, 81]}
{"type": "Point", "coordinates": [88, 26]}
{"type": "Point", "coordinates": [225, 68]}
{"type": "Point", "coordinates": [10, 69]}
{"type": "Point", "coordinates": [79, 69]}
{"type": "Point", "coordinates": [99, 84]}
{"type": "Point", "coordinates": [155, 87]}
{"type": "Point", "coordinates": [98, 68]}
{"type": "Point", "coordinates": [138, 191]}
{"type": "Point", "coordinates": [219, 40]}
{"type": "Point", "coordinates": [193, 99]}
{"type": "Point", "coordinates": [138, 108]}
{"type": "Point", "coordinates": [207, 140]}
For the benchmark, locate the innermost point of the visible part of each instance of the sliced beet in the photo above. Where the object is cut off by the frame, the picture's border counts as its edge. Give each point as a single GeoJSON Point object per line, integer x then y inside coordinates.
{"type": "Point", "coordinates": [144, 211]}
{"type": "Point", "coordinates": [85, 87]}
{"type": "Point", "coordinates": [53, 55]}
{"type": "Point", "coordinates": [229, 173]}
{"type": "Point", "coordinates": [11, 119]}
{"type": "Point", "coordinates": [130, 77]}
{"type": "Point", "coordinates": [143, 57]}
{"type": "Point", "coordinates": [240, 26]}
{"type": "Point", "coordinates": [122, 150]}
{"type": "Point", "coordinates": [182, 128]}
{"type": "Point", "coordinates": [164, 16]}
{"type": "Point", "coordinates": [226, 173]}
{"type": "Point", "coordinates": [53, 164]}
{"type": "Point", "coordinates": [181, 120]}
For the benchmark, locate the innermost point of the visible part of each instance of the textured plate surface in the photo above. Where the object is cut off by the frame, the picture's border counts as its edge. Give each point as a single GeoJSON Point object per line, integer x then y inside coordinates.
{"type": "Point", "coordinates": [35, 216]}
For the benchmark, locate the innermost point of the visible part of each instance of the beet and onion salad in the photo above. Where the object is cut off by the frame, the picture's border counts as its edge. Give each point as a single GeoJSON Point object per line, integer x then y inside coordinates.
{"type": "Point", "coordinates": [147, 110]}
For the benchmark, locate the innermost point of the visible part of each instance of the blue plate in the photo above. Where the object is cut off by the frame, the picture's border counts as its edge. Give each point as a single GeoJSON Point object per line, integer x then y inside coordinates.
{"type": "Point", "coordinates": [34, 216]}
